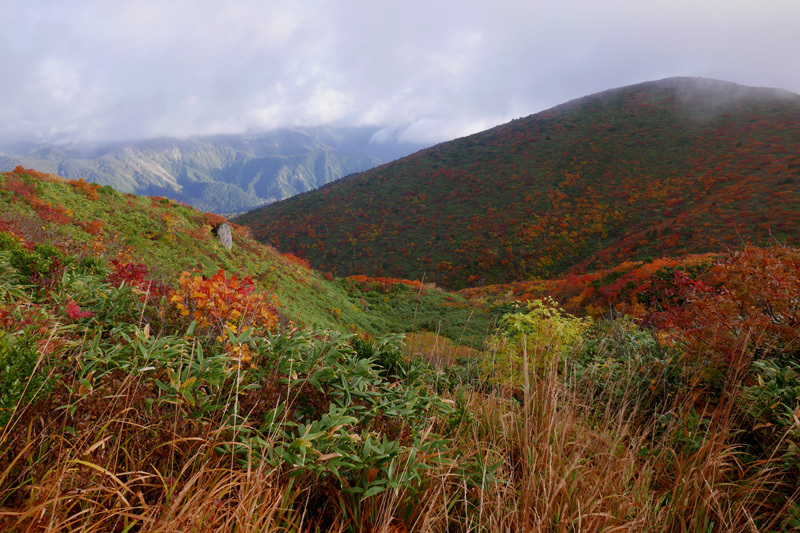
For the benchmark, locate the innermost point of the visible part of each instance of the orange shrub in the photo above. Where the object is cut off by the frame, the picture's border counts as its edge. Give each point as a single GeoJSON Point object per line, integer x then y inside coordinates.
{"type": "Point", "coordinates": [241, 231]}
{"type": "Point", "coordinates": [20, 170]}
{"type": "Point", "coordinates": [94, 227]}
{"type": "Point", "coordinates": [212, 219]}
{"type": "Point", "coordinates": [89, 189]}
{"type": "Point", "coordinates": [297, 260]}
{"type": "Point", "coordinates": [383, 284]}
{"type": "Point", "coordinates": [220, 302]}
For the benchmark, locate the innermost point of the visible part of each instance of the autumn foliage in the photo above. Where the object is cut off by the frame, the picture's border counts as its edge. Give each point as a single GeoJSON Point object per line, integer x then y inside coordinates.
{"type": "Point", "coordinates": [220, 302]}
{"type": "Point", "coordinates": [95, 227]}
{"type": "Point", "coordinates": [26, 192]}
{"type": "Point", "coordinates": [212, 219]}
{"type": "Point", "coordinates": [382, 284]}
{"type": "Point", "coordinates": [74, 311]}
{"type": "Point", "coordinates": [624, 175]}
{"type": "Point", "coordinates": [20, 170]}
{"type": "Point", "coordinates": [744, 307]}
{"type": "Point", "coordinates": [135, 275]}
{"type": "Point", "coordinates": [89, 189]}
{"type": "Point", "coordinates": [724, 310]}
{"type": "Point", "coordinates": [297, 260]}
{"type": "Point", "coordinates": [134, 404]}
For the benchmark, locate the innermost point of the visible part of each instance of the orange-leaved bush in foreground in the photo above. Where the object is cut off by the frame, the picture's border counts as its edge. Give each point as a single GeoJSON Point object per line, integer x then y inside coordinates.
{"type": "Point", "coordinates": [746, 304]}
{"type": "Point", "coordinates": [221, 303]}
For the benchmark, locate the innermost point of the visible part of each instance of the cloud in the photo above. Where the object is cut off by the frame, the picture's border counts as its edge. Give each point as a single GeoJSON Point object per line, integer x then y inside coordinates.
{"type": "Point", "coordinates": [426, 71]}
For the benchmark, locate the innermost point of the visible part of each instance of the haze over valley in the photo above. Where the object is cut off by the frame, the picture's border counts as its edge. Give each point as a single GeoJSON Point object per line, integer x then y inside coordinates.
{"type": "Point", "coordinates": [224, 173]}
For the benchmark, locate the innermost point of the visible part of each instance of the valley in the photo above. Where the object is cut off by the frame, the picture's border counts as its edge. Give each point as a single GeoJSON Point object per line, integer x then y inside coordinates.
{"type": "Point", "coordinates": [223, 173]}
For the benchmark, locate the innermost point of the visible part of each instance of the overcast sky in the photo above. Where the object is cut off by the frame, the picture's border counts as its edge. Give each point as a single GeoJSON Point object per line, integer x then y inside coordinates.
{"type": "Point", "coordinates": [426, 70]}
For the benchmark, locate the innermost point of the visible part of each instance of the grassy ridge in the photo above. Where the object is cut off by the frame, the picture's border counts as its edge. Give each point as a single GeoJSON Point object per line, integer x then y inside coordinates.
{"type": "Point", "coordinates": [88, 221]}
{"type": "Point", "coordinates": [661, 168]}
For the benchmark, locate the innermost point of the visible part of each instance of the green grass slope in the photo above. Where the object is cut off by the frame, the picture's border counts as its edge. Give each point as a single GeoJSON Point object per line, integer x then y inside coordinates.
{"type": "Point", "coordinates": [676, 166]}
{"type": "Point", "coordinates": [86, 221]}
{"type": "Point", "coordinates": [99, 224]}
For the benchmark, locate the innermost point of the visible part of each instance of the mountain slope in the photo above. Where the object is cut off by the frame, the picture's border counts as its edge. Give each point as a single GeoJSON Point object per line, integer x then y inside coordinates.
{"type": "Point", "coordinates": [223, 174]}
{"type": "Point", "coordinates": [661, 168]}
{"type": "Point", "coordinates": [101, 226]}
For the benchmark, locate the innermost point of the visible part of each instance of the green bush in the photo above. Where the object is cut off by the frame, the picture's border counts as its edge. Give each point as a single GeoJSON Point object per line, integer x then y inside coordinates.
{"type": "Point", "coordinates": [774, 397]}
{"type": "Point", "coordinates": [356, 420]}
{"type": "Point", "coordinates": [92, 265]}
{"type": "Point", "coordinates": [773, 404]}
{"type": "Point", "coordinates": [338, 417]}
{"type": "Point", "coordinates": [21, 380]}
{"type": "Point", "coordinates": [624, 365]}
{"type": "Point", "coordinates": [385, 352]}
{"type": "Point", "coordinates": [534, 339]}
{"type": "Point", "coordinates": [38, 262]}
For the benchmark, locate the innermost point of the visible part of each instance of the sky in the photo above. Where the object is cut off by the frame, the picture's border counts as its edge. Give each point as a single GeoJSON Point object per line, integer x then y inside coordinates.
{"type": "Point", "coordinates": [423, 71]}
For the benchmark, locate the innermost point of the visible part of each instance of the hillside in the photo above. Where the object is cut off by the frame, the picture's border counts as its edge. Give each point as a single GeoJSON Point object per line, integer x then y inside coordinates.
{"type": "Point", "coordinates": [676, 166]}
{"type": "Point", "coordinates": [99, 225]}
{"type": "Point", "coordinates": [153, 380]}
{"type": "Point", "coordinates": [222, 174]}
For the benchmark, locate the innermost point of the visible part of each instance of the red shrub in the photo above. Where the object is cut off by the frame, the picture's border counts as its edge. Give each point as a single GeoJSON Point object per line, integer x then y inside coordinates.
{"type": "Point", "coordinates": [135, 275]}
{"type": "Point", "coordinates": [49, 212]}
{"type": "Point", "coordinates": [94, 227]}
{"type": "Point", "coordinates": [746, 306]}
{"type": "Point", "coordinates": [19, 189]}
{"type": "Point", "coordinates": [74, 311]}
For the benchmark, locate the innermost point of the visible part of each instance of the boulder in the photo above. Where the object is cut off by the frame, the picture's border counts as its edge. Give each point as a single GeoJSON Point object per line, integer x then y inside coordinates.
{"type": "Point", "coordinates": [223, 231]}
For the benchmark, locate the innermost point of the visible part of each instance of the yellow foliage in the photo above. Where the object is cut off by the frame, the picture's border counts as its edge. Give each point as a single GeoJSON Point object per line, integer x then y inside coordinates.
{"type": "Point", "coordinates": [220, 304]}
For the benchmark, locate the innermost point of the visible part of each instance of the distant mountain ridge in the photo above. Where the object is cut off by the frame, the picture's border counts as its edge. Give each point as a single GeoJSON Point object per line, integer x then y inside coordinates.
{"type": "Point", "coordinates": [224, 173]}
{"type": "Point", "coordinates": [680, 165]}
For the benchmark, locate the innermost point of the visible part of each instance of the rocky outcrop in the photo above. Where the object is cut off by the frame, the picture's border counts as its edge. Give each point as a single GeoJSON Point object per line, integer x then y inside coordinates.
{"type": "Point", "coordinates": [223, 232]}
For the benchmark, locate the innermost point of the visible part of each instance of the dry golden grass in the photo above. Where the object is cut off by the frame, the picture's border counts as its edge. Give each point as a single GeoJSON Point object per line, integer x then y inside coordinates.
{"type": "Point", "coordinates": [545, 462]}
{"type": "Point", "coordinates": [437, 350]}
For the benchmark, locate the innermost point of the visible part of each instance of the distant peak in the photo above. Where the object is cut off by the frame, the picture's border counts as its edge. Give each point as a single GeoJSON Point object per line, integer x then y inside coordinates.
{"type": "Point", "coordinates": [692, 92]}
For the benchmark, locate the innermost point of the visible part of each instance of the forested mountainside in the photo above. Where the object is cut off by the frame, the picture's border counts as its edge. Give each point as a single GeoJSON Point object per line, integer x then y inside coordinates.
{"type": "Point", "coordinates": [223, 174]}
{"type": "Point", "coordinates": [676, 166]}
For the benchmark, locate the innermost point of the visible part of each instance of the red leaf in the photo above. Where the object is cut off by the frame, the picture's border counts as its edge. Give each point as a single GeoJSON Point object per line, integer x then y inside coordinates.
{"type": "Point", "coordinates": [74, 311]}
